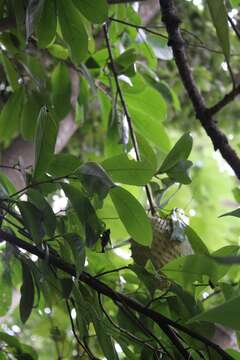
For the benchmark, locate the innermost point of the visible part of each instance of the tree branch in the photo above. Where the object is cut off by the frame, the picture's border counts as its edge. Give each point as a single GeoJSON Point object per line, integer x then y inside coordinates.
{"type": "Point", "coordinates": [218, 138]}
{"type": "Point", "coordinates": [225, 101]}
{"type": "Point", "coordinates": [163, 322]}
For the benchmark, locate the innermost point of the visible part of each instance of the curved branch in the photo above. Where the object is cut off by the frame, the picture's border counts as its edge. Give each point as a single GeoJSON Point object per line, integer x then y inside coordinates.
{"type": "Point", "coordinates": [163, 322]}
{"type": "Point", "coordinates": [218, 138]}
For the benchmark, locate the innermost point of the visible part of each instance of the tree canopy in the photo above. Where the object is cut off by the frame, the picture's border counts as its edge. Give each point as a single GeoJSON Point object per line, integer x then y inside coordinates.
{"type": "Point", "coordinates": [119, 179]}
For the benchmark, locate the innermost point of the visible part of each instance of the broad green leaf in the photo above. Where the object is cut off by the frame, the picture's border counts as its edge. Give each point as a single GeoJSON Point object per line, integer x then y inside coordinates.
{"type": "Point", "coordinates": [124, 63]}
{"type": "Point", "coordinates": [32, 218]}
{"type": "Point", "coordinates": [10, 116]}
{"type": "Point", "coordinates": [47, 24]}
{"type": "Point", "coordinates": [78, 250]}
{"type": "Point", "coordinates": [73, 30]}
{"type": "Point", "coordinates": [61, 91]}
{"type": "Point", "coordinates": [129, 171]}
{"type": "Point", "coordinates": [196, 242]}
{"type": "Point", "coordinates": [132, 215]}
{"type": "Point", "coordinates": [27, 293]}
{"type": "Point", "coordinates": [234, 353]}
{"type": "Point", "coordinates": [86, 213]}
{"type": "Point", "coordinates": [186, 270]}
{"type": "Point", "coordinates": [180, 151]}
{"type": "Point", "coordinates": [95, 179]}
{"type": "Point", "coordinates": [218, 13]}
{"type": "Point", "coordinates": [11, 341]}
{"type": "Point", "coordinates": [235, 213]}
{"type": "Point", "coordinates": [11, 73]}
{"type": "Point", "coordinates": [148, 102]}
{"type": "Point", "coordinates": [105, 341]}
{"type": "Point", "coordinates": [63, 165]}
{"type": "Point", "coordinates": [44, 141]}
{"type": "Point", "coordinates": [224, 314]}
{"type": "Point", "coordinates": [48, 216]}
{"type": "Point", "coordinates": [30, 112]}
{"type": "Point", "coordinates": [6, 183]}
{"type": "Point", "coordinates": [179, 172]}
{"type": "Point", "coordinates": [95, 11]}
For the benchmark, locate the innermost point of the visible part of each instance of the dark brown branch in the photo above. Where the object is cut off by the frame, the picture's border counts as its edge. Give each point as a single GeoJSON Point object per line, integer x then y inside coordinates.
{"type": "Point", "coordinates": [225, 101]}
{"type": "Point", "coordinates": [218, 138]}
{"type": "Point", "coordinates": [163, 322]}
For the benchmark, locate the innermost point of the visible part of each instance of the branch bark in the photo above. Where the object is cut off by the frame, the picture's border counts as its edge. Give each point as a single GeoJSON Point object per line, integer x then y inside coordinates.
{"type": "Point", "coordinates": [218, 138]}
{"type": "Point", "coordinates": [167, 325]}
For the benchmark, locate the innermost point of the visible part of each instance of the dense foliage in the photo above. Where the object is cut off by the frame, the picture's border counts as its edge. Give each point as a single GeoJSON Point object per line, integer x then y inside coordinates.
{"type": "Point", "coordinates": [119, 239]}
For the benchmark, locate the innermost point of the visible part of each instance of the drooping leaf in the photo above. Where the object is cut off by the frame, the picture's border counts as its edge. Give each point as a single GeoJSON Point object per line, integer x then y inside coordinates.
{"type": "Point", "coordinates": [196, 242]}
{"type": "Point", "coordinates": [95, 179]}
{"type": "Point", "coordinates": [63, 165]}
{"type": "Point", "coordinates": [61, 91]}
{"type": "Point", "coordinates": [5, 293]}
{"type": "Point", "coordinates": [44, 141]}
{"type": "Point", "coordinates": [180, 151]}
{"type": "Point", "coordinates": [11, 73]}
{"type": "Point", "coordinates": [27, 293]}
{"type": "Point", "coordinates": [32, 219]}
{"type": "Point", "coordinates": [132, 215]}
{"type": "Point", "coordinates": [86, 213]}
{"type": "Point", "coordinates": [47, 24]}
{"type": "Point", "coordinates": [73, 30]}
{"type": "Point", "coordinates": [10, 116]}
{"type": "Point", "coordinates": [224, 314]}
{"type": "Point", "coordinates": [78, 250]}
{"type": "Point", "coordinates": [30, 112]}
{"type": "Point", "coordinates": [180, 172]}
{"type": "Point", "coordinates": [218, 13]}
{"type": "Point", "coordinates": [48, 216]}
{"type": "Point", "coordinates": [94, 10]}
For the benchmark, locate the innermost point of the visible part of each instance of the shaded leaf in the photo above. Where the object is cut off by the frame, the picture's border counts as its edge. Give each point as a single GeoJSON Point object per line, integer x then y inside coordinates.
{"type": "Point", "coordinates": [94, 10]}
{"type": "Point", "coordinates": [44, 141]}
{"type": "Point", "coordinates": [132, 215]}
{"type": "Point", "coordinates": [180, 151]}
{"type": "Point", "coordinates": [78, 250]}
{"type": "Point", "coordinates": [27, 293]}
{"type": "Point", "coordinates": [73, 30]}
{"type": "Point", "coordinates": [61, 90]}
{"type": "Point", "coordinates": [63, 165]}
{"type": "Point", "coordinates": [11, 73]}
{"type": "Point", "coordinates": [32, 218]}
{"type": "Point", "coordinates": [47, 24]}
{"type": "Point", "coordinates": [235, 213]}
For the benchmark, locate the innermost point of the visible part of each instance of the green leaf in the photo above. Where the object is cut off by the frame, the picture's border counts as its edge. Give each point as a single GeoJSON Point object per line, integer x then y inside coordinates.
{"type": "Point", "coordinates": [95, 179]}
{"type": "Point", "coordinates": [27, 293]}
{"type": "Point", "coordinates": [32, 218]}
{"type": "Point", "coordinates": [196, 242]}
{"type": "Point", "coordinates": [58, 51]}
{"type": "Point", "coordinates": [44, 141]}
{"type": "Point", "coordinates": [10, 115]}
{"type": "Point", "coordinates": [61, 91]}
{"type": "Point", "coordinates": [11, 73]}
{"type": "Point", "coordinates": [48, 216]}
{"type": "Point", "coordinates": [73, 30]}
{"type": "Point", "coordinates": [94, 10]}
{"type": "Point", "coordinates": [105, 341]}
{"type": "Point", "coordinates": [224, 314]}
{"type": "Point", "coordinates": [179, 173]}
{"type": "Point", "coordinates": [218, 13]}
{"type": "Point", "coordinates": [85, 212]}
{"type": "Point", "coordinates": [63, 165]}
{"type": "Point", "coordinates": [132, 215]}
{"type": "Point", "coordinates": [180, 151]}
{"type": "Point", "coordinates": [5, 294]}
{"type": "Point", "coordinates": [30, 112]}
{"type": "Point", "coordinates": [235, 213]}
{"type": "Point", "coordinates": [11, 341]}
{"type": "Point", "coordinates": [47, 24]}
{"type": "Point", "coordinates": [78, 250]}
{"type": "Point", "coordinates": [127, 171]}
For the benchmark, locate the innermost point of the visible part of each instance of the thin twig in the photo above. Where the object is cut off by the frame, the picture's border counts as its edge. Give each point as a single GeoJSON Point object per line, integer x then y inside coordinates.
{"type": "Point", "coordinates": [112, 271]}
{"type": "Point", "coordinates": [126, 112]}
